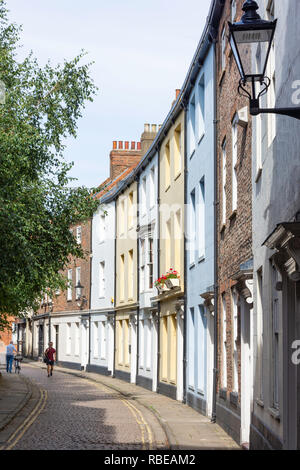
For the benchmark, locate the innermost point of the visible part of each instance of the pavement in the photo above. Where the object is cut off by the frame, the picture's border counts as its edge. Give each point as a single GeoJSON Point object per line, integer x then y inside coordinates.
{"type": "Point", "coordinates": [173, 424]}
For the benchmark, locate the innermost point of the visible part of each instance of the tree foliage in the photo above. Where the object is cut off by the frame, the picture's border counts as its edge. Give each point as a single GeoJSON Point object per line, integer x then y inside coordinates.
{"type": "Point", "coordinates": [37, 203]}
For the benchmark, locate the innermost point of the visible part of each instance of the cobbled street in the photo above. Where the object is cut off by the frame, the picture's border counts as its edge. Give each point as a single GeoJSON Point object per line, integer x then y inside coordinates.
{"type": "Point", "coordinates": [79, 415]}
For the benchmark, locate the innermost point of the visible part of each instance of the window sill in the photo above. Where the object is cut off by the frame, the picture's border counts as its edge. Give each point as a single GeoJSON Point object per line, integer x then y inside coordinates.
{"type": "Point", "coordinates": [130, 299]}
{"type": "Point", "coordinates": [201, 138]}
{"type": "Point", "coordinates": [202, 258]}
{"type": "Point", "coordinates": [192, 265]}
{"type": "Point", "coordinates": [177, 176]}
{"type": "Point", "coordinates": [102, 297]}
{"type": "Point", "coordinates": [222, 77]}
{"type": "Point", "coordinates": [200, 392]}
{"type": "Point", "coordinates": [274, 413]}
{"type": "Point", "coordinates": [260, 403]}
{"type": "Point", "coordinates": [258, 175]}
{"type": "Point", "coordinates": [233, 214]}
{"type": "Point", "coordinates": [192, 154]}
{"type": "Point", "coordinates": [223, 228]}
{"type": "Point", "coordinates": [167, 188]}
{"type": "Point", "coordinates": [191, 388]}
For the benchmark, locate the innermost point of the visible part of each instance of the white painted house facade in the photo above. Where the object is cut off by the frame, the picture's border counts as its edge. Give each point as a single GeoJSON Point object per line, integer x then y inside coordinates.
{"type": "Point", "coordinates": [102, 290]}
{"type": "Point", "coordinates": [147, 269]}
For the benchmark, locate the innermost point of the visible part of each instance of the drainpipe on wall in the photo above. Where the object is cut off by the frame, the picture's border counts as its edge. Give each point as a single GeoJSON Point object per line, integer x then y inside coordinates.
{"type": "Point", "coordinates": [215, 375]}
{"type": "Point", "coordinates": [184, 106]}
{"type": "Point", "coordinates": [115, 290]}
{"type": "Point", "coordinates": [90, 295]}
{"type": "Point", "coordinates": [158, 265]}
{"type": "Point", "coordinates": [138, 280]}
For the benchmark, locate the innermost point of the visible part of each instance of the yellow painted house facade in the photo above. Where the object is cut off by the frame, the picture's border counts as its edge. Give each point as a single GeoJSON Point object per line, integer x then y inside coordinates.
{"type": "Point", "coordinates": [171, 256]}
{"type": "Point", "coordinates": [126, 284]}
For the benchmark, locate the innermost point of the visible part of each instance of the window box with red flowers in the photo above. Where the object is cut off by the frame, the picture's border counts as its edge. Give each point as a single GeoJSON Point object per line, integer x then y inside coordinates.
{"type": "Point", "coordinates": [160, 284]}
{"type": "Point", "coordinates": [172, 279]}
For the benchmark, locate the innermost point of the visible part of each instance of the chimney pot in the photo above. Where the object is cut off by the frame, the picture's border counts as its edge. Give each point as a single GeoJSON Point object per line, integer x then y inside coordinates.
{"type": "Point", "coordinates": [132, 145]}
{"type": "Point", "coordinates": [154, 127]}
{"type": "Point", "coordinates": [139, 146]}
{"type": "Point", "coordinates": [177, 91]}
{"type": "Point", "coordinates": [120, 144]}
{"type": "Point", "coordinates": [126, 145]}
{"type": "Point", "coordinates": [147, 127]}
{"type": "Point", "coordinates": [114, 145]}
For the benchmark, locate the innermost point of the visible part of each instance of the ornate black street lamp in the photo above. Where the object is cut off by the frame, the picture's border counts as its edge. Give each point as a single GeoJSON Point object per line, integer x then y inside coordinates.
{"type": "Point", "coordinates": [82, 300]}
{"type": "Point", "coordinates": [243, 35]}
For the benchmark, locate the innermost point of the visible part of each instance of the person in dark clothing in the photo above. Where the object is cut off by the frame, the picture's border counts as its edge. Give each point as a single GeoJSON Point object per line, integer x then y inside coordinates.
{"type": "Point", "coordinates": [50, 355]}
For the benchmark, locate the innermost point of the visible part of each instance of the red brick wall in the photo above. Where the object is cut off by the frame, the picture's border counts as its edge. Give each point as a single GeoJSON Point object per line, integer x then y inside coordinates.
{"type": "Point", "coordinates": [60, 302]}
{"type": "Point", "coordinates": [235, 238]}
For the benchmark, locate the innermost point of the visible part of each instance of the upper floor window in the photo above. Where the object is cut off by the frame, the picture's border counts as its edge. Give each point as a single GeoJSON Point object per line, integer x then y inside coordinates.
{"type": "Point", "coordinates": [144, 196]}
{"type": "Point", "coordinates": [192, 226]}
{"type": "Point", "coordinates": [78, 234]}
{"type": "Point", "coordinates": [177, 150]}
{"type": "Point", "coordinates": [150, 262]}
{"type": "Point", "coordinates": [223, 48]}
{"type": "Point", "coordinates": [152, 187]}
{"type": "Point", "coordinates": [167, 166]}
{"type": "Point", "coordinates": [130, 274]}
{"type": "Point", "coordinates": [122, 217]}
{"type": "Point", "coordinates": [234, 161]}
{"type": "Point", "coordinates": [224, 170]}
{"type": "Point", "coordinates": [201, 108]}
{"type": "Point", "coordinates": [130, 210]}
{"type": "Point", "coordinates": [201, 209]}
{"type": "Point", "coordinates": [192, 125]}
{"type": "Point", "coordinates": [142, 259]}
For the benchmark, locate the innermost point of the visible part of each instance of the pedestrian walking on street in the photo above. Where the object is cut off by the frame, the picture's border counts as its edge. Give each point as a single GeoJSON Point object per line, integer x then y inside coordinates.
{"type": "Point", "coordinates": [10, 349]}
{"type": "Point", "coordinates": [50, 356]}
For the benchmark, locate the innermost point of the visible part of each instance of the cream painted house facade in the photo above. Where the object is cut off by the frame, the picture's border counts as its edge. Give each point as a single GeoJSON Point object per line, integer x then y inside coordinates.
{"type": "Point", "coordinates": [171, 255]}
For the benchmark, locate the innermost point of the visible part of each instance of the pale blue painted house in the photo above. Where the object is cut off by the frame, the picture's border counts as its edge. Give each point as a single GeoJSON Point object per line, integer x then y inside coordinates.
{"type": "Point", "coordinates": [200, 186]}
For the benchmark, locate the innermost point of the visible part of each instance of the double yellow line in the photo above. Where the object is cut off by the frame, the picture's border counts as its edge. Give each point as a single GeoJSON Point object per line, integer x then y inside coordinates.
{"type": "Point", "coordinates": [16, 436]}
{"type": "Point", "coordinates": [144, 426]}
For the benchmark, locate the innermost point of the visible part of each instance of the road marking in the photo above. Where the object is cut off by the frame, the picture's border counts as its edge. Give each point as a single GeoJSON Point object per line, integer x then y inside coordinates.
{"type": "Point", "coordinates": [135, 411]}
{"type": "Point", "coordinates": [27, 422]}
{"type": "Point", "coordinates": [143, 424]}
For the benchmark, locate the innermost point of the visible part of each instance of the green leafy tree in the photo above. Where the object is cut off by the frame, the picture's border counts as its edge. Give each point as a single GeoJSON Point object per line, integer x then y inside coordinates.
{"type": "Point", "coordinates": [37, 203]}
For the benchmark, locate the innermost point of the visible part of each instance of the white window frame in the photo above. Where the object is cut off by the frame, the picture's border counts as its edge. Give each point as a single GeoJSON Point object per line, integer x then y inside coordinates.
{"type": "Point", "coordinates": [234, 163]}
{"type": "Point", "coordinates": [224, 343]}
{"type": "Point", "coordinates": [201, 219]}
{"type": "Point", "coordinates": [224, 182]}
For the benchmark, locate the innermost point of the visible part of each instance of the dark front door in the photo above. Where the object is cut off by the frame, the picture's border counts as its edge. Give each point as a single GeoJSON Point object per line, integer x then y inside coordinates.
{"type": "Point", "coordinates": [41, 340]}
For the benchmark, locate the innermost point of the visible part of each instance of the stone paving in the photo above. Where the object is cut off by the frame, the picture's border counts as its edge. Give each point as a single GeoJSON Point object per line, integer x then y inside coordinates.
{"type": "Point", "coordinates": [89, 411]}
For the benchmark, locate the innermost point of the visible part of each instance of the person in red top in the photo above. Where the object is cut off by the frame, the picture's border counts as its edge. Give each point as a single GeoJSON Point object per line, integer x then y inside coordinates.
{"type": "Point", "coordinates": [50, 355]}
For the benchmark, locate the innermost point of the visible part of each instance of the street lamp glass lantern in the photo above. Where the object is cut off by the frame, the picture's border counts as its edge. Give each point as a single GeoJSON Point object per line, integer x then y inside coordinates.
{"type": "Point", "coordinates": [78, 289]}
{"type": "Point", "coordinates": [249, 31]}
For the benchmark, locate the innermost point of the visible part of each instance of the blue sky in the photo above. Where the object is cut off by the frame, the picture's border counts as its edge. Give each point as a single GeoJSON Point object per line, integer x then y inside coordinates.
{"type": "Point", "coordinates": [142, 51]}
